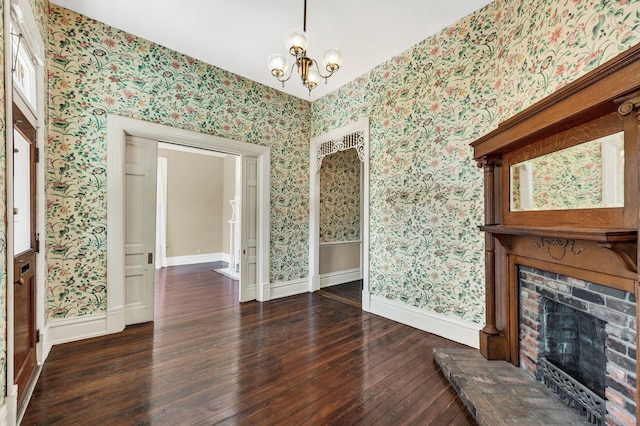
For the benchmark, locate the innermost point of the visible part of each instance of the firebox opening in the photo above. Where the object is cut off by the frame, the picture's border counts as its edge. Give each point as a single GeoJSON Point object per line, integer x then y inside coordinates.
{"type": "Point", "coordinates": [574, 341]}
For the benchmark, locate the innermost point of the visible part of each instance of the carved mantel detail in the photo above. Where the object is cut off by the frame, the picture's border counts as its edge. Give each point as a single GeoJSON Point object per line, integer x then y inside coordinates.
{"type": "Point", "coordinates": [626, 252]}
{"type": "Point", "coordinates": [489, 162]}
{"type": "Point", "coordinates": [557, 247]}
{"type": "Point", "coordinates": [629, 104]}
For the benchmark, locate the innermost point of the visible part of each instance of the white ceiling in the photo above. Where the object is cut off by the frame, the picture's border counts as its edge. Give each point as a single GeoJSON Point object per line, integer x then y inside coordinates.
{"type": "Point", "coordinates": [239, 35]}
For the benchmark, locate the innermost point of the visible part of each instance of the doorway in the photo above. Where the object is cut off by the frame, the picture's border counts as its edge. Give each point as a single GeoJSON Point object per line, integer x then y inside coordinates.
{"type": "Point", "coordinates": [351, 137]}
{"type": "Point", "coordinates": [255, 184]}
{"type": "Point", "coordinates": [192, 202]}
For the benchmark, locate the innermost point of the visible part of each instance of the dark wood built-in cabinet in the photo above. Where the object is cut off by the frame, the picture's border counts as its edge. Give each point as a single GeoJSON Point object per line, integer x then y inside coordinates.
{"type": "Point", "coordinates": [592, 244]}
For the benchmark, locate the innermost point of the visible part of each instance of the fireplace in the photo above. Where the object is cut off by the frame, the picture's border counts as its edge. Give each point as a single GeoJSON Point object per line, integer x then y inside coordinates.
{"type": "Point", "coordinates": [574, 343]}
{"type": "Point", "coordinates": [584, 329]}
{"type": "Point", "coordinates": [590, 249]}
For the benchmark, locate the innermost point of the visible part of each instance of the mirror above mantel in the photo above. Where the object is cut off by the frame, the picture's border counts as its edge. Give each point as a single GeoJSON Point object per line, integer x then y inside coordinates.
{"type": "Point", "coordinates": [585, 176]}
{"type": "Point", "coordinates": [575, 177]}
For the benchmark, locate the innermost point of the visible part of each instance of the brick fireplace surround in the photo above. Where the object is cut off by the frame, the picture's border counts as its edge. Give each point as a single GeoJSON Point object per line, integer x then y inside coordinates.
{"type": "Point", "coordinates": [615, 307]}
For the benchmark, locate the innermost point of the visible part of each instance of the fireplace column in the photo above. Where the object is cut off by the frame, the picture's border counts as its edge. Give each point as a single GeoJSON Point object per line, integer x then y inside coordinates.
{"type": "Point", "coordinates": [492, 341]}
{"type": "Point", "coordinates": [630, 110]}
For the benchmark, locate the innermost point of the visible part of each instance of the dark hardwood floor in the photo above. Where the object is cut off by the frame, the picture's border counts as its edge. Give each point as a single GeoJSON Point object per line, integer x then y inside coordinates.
{"type": "Point", "coordinates": [208, 359]}
{"type": "Point", "coordinates": [349, 293]}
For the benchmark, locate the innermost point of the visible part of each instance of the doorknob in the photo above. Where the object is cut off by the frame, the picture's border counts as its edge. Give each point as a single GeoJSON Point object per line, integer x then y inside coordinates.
{"type": "Point", "coordinates": [20, 281]}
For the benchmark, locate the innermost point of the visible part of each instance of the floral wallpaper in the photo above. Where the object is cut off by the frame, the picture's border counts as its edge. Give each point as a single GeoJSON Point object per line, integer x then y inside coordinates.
{"type": "Point", "coordinates": [95, 70]}
{"type": "Point", "coordinates": [425, 107]}
{"type": "Point", "coordinates": [40, 9]}
{"type": "Point", "coordinates": [340, 197]}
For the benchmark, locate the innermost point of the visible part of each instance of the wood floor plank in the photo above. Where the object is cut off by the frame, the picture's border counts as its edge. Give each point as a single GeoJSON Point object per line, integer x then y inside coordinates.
{"type": "Point", "coordinates": [208, 359]}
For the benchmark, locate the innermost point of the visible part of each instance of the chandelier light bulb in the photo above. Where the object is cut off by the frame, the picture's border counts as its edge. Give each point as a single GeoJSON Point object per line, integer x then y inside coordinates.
{"type": "Point", "coordinates": [332, 59]}
{"type": "Point", "coordinates": [296, 41]}
{"type": "Point", "coordinates": [313, 78]}
{"type": "Point", "coordinates": [278, 64]}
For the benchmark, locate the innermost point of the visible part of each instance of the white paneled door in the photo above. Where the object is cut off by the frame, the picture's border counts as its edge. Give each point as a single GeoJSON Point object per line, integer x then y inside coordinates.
{"type": "Point", "coordinates": [140, 229]}
{"type": "Point", "coordinates": [249, 229]}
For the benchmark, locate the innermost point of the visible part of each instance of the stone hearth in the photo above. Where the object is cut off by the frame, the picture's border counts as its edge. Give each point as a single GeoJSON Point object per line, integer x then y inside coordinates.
{"type": "Point", "coordinates": [497, 393]}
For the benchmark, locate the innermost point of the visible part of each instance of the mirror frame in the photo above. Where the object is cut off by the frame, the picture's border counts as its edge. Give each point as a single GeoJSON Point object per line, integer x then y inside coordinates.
{"type": "Point", "coordinates": [602, 217]}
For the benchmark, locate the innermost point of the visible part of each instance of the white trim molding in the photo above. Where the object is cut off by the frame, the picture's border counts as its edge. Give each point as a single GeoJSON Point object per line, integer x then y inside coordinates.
{"type": "Point", "coordinates": [289, 288]}
{"type": "Point", "coordinates": [314, 205]}
{"type": "Point", "coordinates": [339, 243]}
{"type": "Point", "coordinates": [340, 277]}
{"type": "Point", "coordinates": [458, 330]}
{"type": "Point", "coordinates": [72, 329]}
{"type": "Point", "coordinates": [197, 258]}
{"type": "Point", "coordinates": [9, 411]}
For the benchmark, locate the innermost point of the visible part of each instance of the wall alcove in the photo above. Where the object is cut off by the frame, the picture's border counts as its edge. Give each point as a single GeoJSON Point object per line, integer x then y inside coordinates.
{"type": "Point", "coordinates": [561, 195]}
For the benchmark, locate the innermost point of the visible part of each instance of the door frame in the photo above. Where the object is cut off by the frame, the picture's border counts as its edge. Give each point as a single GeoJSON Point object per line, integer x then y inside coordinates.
{"type": "Point", "coordinates": [32, 37]}
{"type": "Point", "coordinates": [117, 129]}
{"type": "Point", "coordinates": [314, 208]}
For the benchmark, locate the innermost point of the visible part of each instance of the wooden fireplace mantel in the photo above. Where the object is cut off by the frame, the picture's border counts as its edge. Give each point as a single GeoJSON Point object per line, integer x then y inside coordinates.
{"type": "Point", "coordinates": [621, 242]}
{"type": "Point", "coordinates": [598, 245]}
{"type": "Point", "coordinates": [600, 235]}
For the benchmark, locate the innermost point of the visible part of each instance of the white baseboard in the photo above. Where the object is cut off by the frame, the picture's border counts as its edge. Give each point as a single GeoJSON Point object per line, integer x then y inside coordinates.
{"type": "Point", "coordinates": [289, 288]}
{"type": "Point", "coordinates": [78, 328]}
{"type": "Point", "coordinates": [340, 277]}
{"type": "Point", "coordinates": [8, 411]}
{"type": "Point", "coordinates": [366, 300]}
{"type": "Point", "coordinates": [460, 331]}
{"type": "Point", "coordinates": [198, 258]}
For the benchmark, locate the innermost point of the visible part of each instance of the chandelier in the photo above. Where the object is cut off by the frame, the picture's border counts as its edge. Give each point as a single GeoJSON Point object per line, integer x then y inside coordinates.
{"type": "Point", "coordinates": [296, 41]}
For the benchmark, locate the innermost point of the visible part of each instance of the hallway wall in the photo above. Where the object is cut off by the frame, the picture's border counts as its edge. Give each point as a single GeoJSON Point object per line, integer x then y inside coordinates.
{"type": "Point", "coordinates": [194, 203]}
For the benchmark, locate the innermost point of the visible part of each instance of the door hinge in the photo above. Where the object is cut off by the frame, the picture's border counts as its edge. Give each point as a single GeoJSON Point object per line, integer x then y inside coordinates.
{"type": "Point", "coordinates": [37, 155]}
{"type": "Point", "coordinates": [150, 258]}
{"type": "Point", "coordinates": [37, 247]}
{"type": "Point", "coordinates": [38, 336]}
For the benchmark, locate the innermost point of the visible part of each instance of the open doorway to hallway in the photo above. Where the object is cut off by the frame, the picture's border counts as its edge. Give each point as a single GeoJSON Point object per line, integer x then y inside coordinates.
{"type": "Point", "coordinates": [123, 162]}
{"type": "Point", "coordinates": [174, 214]}
{"type": "Point", "coordinates": [198, 208]}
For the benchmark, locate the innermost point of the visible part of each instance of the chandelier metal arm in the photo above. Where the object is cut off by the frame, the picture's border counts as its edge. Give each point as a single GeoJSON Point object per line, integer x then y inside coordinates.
{"type": "Point", "coordinates": [280, 77]}
{"type": "Point", "coordinates": [331, 71]}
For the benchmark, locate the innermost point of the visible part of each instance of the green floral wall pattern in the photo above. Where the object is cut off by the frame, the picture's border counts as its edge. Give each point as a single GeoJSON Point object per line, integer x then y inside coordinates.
{"type": "Point", "coordinates": [95, 70]}
{"type": "Point", "coordinates": [40, 9]}
{"type": "Point", "coordinates": [340, 197]}
{"type": "Point", "coordinates": [429, 103]}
